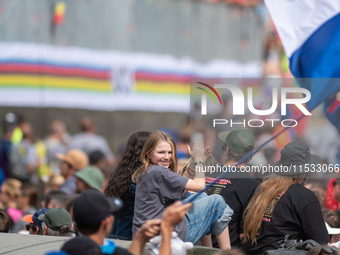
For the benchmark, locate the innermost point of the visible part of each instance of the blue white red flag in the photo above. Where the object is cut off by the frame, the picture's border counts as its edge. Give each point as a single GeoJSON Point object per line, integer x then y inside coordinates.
{"type": "Point", "coordinates": [310, 33]}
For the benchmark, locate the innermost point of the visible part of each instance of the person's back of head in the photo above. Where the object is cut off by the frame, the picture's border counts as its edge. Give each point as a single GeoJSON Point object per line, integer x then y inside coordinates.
{"type": "Point", "coordinates": [64, 230]}
{"type": "Point", "coordinates": [332, 224]}
{"type": "Point", "coordinates": [91, 208]}
{"type": "Point", "coordinates": [331, 218]}
{"type": "Point", "coordinates": [57, 222]}
{"type": "Point", "coordinates": [120, 178]}
{"type": "Point", "coordinates": [82, 246]}
{"type": "Point", "coordinates": [50, 195]}
{"type": "Point", "coordinates": [238, 142]}
{"type": "Point", "coordinates": [5, 222]}
{"type": "Point", "coordinates": [58, 200]}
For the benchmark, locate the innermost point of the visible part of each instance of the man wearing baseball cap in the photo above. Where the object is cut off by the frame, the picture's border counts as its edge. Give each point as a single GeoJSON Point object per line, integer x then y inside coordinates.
{"type": "Point", "coordinates": [89, 178]}
{"type": "Point", "coordinates": [93, 214]}
{"type": "Point", "coordinates": [236, 187]}
{"type": "Point", "coordinates": [85, 245]}
{"type": "Point", "coordinates": [71, 162]}
{"type": "Point", "coordinates": [56, 222]}
{"type": "Point", "coordinates": [35, 225]}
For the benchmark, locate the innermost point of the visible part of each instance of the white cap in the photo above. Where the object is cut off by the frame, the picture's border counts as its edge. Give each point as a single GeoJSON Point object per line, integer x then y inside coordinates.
{"type": "Point", "coordinates": [332, 231]}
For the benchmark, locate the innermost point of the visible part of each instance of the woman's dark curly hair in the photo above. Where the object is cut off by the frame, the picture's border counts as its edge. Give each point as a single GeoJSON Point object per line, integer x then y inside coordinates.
{"type": "Point", "coordinates": [120, 178]}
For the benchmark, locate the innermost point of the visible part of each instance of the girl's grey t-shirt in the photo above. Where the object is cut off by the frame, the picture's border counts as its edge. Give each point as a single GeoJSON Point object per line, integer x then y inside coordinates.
{"type": "Point", "coordinates": [156, 190]}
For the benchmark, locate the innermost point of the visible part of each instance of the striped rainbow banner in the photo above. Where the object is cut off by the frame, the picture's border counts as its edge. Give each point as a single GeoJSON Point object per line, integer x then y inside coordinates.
{"type": "Point", "coordinates": [39, 75]}
{"type": "Point", "coordinates": [29, 74]}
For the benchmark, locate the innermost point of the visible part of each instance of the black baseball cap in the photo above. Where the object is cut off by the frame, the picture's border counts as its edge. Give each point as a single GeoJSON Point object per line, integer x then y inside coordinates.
{"type": "Point", "coordinates": [82, 246]}
{"type": "Point", "coordinates": [296, 154]}
{"type": "Point", "coordinates": [91, 207]}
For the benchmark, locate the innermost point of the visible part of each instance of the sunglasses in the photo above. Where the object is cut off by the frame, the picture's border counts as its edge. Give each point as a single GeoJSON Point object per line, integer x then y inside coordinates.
{"type": "Point", "coordinates": [31, 226]}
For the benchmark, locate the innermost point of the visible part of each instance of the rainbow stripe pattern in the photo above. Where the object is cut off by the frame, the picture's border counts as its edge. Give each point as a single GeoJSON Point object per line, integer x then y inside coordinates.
{"type": "Point", "coordinates": [39, 75]}
{"type": "Point", "coordinates": [30, 74]}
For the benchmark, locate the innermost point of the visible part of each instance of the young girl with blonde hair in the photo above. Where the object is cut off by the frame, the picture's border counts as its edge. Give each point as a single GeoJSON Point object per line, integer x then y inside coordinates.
{"type": "Point", "coordinates": [158, 186]}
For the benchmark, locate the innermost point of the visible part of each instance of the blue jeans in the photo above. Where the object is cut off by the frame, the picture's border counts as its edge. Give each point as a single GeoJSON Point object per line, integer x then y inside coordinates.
{"type": "Point", "coordinates": [207, 215]}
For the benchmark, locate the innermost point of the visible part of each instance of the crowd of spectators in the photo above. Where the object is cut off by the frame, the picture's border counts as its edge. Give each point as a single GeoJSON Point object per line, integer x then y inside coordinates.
{"type": "Point", "coordinates": [67, 186]}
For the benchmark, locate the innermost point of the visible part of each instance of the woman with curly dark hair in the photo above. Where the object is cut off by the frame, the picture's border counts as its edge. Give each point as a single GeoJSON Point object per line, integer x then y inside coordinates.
{"type": "Point", "coordinates": [120, 185]}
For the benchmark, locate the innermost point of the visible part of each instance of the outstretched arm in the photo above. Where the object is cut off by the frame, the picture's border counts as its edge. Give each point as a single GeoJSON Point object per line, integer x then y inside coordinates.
{"type": "Point", "coordinates": [197, 154]}
{"type": "Point", "coordinates": [172, 215]}
{"type": "Point", "coordinates": [148, 230]}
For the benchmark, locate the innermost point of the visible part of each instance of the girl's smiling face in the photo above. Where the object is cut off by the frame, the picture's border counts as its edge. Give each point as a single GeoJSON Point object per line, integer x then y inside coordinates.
{"type": "Point", "coordinates": [162, 155]}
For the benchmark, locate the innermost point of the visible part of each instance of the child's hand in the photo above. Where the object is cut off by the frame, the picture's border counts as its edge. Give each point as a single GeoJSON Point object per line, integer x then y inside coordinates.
{"type": "Point", "coordinates": [197, 152]}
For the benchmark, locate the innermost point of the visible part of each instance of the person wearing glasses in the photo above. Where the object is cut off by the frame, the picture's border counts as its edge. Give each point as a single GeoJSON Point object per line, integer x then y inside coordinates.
{"type": "Point", "coordinates": [34, 226]}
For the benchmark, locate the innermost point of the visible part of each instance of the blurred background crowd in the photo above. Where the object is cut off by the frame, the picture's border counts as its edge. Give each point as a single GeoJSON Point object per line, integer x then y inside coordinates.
{"type": "Point", "coordinates": [78, 77]}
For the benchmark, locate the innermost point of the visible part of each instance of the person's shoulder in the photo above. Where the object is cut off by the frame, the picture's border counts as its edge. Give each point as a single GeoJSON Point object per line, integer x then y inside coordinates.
{"type": "Point", "coordinates": [155, 169]}
{"type": "Point", "coordinates": [76, 141]}
{"type": "Point", "coordinates": [244, 175]}
{"type": "Point", "coordinates": [301, 194]}
{"type": "Point", "coordinates": [121, 251]}
{"type": "Point", "coordinates": [100, 137]}
{"type": "Point", "coordinates": [97, 137]}
{"type": "Point", "coordinates": [161, 173]}
{"type": "Point", "coordinates": [298, 188]}
{"type": "Point", "coordinates": [77, 136]}
{"type": "Point", "coordinates": [243, 178]}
